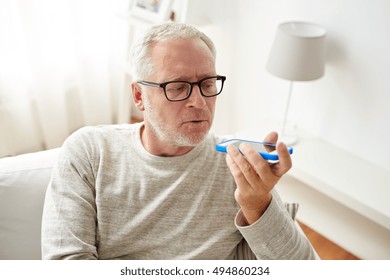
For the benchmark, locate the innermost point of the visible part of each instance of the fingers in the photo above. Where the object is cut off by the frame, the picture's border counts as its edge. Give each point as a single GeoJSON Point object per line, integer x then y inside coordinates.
{"type": "Point", "coordinates": [272, 137]}
{"type": "Point", "coordinates": [250, 170]}
{"type": "Point", "coordinates": [247, 165]}
{"type": "Point", "coordinates": [285, 162]}
{"type": "Point", "coordinates": [259, 165]}
{"type": "Point", "coordinates": [241, 169]}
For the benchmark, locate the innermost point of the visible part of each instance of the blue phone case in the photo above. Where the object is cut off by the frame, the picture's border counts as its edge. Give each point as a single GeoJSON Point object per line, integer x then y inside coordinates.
{"type": "Point", "coordinates": [221, 147]}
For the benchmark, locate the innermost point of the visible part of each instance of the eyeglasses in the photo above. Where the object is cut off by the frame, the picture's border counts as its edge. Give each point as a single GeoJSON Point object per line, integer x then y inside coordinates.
{"type": "Point", "coordinates": [181, 90]}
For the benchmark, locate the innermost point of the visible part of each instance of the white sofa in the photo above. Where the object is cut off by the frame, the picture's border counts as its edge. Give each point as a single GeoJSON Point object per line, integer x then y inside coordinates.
{"type": "Point", "coordinates": [23, 182]}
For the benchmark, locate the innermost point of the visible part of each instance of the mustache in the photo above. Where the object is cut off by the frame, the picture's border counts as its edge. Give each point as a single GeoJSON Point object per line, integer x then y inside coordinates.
{"type": "Point", "coordinates": [196, 115]}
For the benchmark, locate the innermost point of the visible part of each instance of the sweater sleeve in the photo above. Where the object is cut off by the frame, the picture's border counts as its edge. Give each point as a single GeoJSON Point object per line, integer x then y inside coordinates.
{"type": "Point", "coordinates": [69, 215]}
{"type": "Point", "coordinates": [275, 235]}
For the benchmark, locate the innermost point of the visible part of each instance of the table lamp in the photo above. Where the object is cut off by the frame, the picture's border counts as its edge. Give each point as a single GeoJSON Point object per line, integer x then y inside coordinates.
{"type": "Point", "coordinates": [297, 54]}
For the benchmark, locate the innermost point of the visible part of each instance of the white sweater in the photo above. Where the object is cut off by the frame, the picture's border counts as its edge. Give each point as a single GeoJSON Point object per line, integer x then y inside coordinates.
{"type": "Point", "coordinates": [110, 199]}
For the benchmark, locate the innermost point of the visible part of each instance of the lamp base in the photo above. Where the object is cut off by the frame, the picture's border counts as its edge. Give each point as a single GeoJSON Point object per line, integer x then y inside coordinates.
{"type": "Point", "coordinates": [289, 140]}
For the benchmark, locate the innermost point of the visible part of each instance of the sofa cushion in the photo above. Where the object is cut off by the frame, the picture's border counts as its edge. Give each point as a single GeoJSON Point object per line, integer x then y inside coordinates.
{"type": "Point", "coordinates": [23, 182]}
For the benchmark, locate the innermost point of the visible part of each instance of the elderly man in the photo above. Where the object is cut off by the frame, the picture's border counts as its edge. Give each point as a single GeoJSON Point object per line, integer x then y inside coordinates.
{"type": "Point", "coordinates": [158, 189]}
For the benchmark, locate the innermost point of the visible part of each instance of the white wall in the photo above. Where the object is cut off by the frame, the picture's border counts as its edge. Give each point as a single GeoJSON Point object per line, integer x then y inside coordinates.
{"type": "Point", "coordinates": [349, 106]}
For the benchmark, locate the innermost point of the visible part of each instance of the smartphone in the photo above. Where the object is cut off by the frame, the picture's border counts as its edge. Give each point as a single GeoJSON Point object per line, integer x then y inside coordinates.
{"type": "Point", "coordinates": [265, 149]}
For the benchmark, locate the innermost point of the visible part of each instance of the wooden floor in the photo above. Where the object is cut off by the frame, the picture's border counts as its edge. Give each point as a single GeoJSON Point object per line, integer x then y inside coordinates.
{"type": "Point", "coordinates": [326, 249]}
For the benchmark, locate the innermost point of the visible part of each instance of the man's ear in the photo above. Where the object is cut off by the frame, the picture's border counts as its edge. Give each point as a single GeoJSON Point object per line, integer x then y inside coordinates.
{"type": "Point", "coordinates": [137, 96]}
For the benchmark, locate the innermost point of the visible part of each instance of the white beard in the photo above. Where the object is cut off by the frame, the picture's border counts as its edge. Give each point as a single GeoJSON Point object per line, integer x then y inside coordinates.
{"type": "Point", "coordinates": [167, 134]}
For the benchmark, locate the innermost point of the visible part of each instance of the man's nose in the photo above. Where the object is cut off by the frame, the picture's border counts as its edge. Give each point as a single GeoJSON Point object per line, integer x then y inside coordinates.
{"type": "Point", "coordinates": [196, 99]}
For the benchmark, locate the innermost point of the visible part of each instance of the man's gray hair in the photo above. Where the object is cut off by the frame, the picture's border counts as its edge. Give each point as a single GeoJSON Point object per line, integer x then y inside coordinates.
{"type": "Point", "coordinates": [140, 60]}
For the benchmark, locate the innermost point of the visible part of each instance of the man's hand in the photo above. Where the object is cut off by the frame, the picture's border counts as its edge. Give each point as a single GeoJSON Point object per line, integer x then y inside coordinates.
{"type": "Point", "coordinates": [255, 177]}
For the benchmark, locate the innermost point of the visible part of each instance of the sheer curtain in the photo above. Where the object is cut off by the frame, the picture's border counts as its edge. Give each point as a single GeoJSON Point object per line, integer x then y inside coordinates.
{"type": "Point", "coordinates": [62, 66]}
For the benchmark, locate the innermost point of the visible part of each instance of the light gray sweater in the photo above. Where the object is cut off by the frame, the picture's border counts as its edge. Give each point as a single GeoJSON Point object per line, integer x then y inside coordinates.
{"type": "Point", "coordinates": [110, 199]}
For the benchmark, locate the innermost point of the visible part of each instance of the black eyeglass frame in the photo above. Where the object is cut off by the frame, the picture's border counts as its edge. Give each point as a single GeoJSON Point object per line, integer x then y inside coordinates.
{"type": "Point", "coordinates": [163, 85]}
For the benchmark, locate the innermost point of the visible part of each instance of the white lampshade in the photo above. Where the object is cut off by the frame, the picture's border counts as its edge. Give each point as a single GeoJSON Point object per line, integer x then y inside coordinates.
{"type": "Point", "coordinates": [298, 52]}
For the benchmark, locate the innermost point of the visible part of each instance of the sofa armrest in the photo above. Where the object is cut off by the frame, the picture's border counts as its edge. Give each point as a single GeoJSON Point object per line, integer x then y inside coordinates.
{"type": "Point", "coordinates": [23, 182]}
